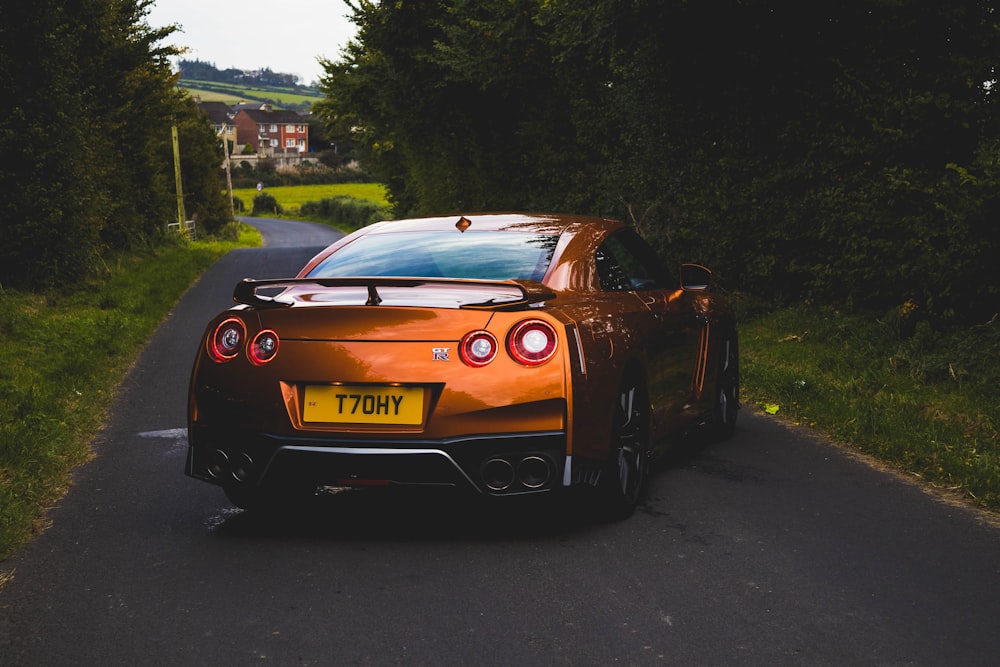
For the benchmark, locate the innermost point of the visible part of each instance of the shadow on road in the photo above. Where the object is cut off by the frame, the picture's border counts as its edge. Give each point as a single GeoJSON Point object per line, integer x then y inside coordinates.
{"type": "Point", "coordinates": [424, 514]}
{"type": "Point", "coordinates": [410, 515]}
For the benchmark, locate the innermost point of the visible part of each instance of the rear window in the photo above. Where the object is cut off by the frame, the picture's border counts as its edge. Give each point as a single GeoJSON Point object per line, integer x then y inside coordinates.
{"type": "Point", "coordinates": [445, 254]}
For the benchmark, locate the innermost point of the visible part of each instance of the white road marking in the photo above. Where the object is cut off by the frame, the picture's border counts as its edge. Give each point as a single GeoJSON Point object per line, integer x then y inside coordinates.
{"type": "Point", "coordinates": [170, 433]}
{"type": "Point", "coordinates": [177, 439]}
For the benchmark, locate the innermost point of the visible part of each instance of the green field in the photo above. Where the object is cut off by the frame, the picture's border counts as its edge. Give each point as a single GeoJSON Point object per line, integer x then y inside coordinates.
{"type": "Point", "coordinates": [291, 197]}
{"type": "Point", "coordinates": [230, 93]}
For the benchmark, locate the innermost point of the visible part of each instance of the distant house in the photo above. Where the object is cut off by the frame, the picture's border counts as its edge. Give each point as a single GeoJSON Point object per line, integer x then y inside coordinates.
{"type": "Point", "coordinates": [221, 117]}
{"type": "Point", "coordinates": [272, 132]}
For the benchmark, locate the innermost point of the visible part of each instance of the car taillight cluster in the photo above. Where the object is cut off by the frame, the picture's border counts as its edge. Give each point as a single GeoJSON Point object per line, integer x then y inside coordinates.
{"type": "Point", "coordinates": [226, 342]}
{"type": "Point", "coordinates": [229, 340]}
{"type": "Point", "coordinates": [529, 343]}
{"type": "Point", "coordinates": [478, 348]}
{"type": "Point", "coordinates": [263, 348]}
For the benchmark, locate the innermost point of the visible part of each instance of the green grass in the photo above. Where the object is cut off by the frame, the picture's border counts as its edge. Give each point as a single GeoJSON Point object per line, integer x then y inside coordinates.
{"type": "Point", "coordinates": [922, 401]}
{"type": "Point", "coordinates": [230, 93]}
{"type": "Point", "coordinates": [291, 197]}
{"type": "Point", "coordinates": [61, 357]}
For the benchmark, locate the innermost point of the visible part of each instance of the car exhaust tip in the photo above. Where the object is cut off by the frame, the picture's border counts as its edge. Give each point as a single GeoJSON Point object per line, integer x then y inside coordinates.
{"type": "Point", "coordinates": [218, 464]}
{"type": "Point", "coordinates": [242, 467]}
{"type": "Point", "coordinates": [239, 467]}
{"type": "Point", "coordinates": [498, 474]}
{"type": "Point", "coordinates": [534, 472]}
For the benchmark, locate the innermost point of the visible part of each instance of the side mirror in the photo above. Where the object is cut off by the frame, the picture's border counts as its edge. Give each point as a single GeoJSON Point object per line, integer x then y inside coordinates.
{"type": "Point", "coordinates": [695, 277]}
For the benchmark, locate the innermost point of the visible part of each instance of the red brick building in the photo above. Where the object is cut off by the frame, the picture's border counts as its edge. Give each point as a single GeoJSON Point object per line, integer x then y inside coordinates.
{"type": "Point", "coordinates": [272, 132]}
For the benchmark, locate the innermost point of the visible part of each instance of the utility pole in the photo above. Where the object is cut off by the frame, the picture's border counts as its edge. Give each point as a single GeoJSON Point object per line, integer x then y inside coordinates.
{"type": "Point", "coordinates": [181, 217]}
{"type": "Point", "coordinates": [229, 175]}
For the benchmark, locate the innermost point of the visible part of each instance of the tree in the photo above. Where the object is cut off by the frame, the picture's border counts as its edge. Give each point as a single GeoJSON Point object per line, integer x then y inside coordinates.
{"type": "Point", "coordinates": [46, 154]}
{"type": "Point", "coordinates": [85, 131]}
{"type": "Point", "coordinates": [844, 153]}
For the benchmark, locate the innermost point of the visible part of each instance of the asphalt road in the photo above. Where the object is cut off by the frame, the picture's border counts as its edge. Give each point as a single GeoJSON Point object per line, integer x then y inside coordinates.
{"type": "Point", "coordinates": [773, 548]}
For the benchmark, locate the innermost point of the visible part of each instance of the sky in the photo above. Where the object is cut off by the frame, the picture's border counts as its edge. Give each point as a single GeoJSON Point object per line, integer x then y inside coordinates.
{"type": "Point", "coordinates": [285, 35]}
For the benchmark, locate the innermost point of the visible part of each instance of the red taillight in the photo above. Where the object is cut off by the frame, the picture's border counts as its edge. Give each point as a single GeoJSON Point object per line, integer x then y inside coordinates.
{"type": "Point", "coordinates": [532, 342]}
{"type": "Point", "coordinates": [263, 348]}
{"type": "Point", "coordinates": [227, 340]}
{"type": "Point", "coordinates": [478, 348]}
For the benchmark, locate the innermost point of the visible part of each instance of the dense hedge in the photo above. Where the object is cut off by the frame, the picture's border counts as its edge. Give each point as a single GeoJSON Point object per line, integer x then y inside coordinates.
{"type": "Point", "coordinates": [346, 212]}
{"type": "Point", "coordinates": [246, 174]}
{"type": "Point", "coordinates": [846, 153]}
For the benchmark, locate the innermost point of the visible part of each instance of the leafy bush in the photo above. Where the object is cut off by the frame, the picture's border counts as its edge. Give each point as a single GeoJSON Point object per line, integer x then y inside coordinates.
{"type": "Point", "coordinates": [346, 212]}
{"type": "Point", "coordinates": [247, 176]}
{"type": "Point", "coordinates": [266, 203]}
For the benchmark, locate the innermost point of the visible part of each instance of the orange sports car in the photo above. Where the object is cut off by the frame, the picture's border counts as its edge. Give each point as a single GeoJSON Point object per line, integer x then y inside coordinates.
{"type": "Point", "coordinates": [507, 354]}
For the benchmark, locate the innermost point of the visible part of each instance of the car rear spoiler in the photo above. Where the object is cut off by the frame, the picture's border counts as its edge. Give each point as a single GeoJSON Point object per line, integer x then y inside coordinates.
{"type": "Point", "coordinates": [531, 292]}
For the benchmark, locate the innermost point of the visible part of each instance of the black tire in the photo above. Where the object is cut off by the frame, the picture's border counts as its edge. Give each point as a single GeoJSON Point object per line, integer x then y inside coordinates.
{"type": "Point", "coordinates": [727, 388]}
{"type": "Point", "coordinates": [624, 479]}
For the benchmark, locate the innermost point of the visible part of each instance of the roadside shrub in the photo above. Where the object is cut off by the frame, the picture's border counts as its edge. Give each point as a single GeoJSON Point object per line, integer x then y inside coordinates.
{"type": "Point", "coordinates": [265, 203]}
{"type": "Point", "coordinates": [229, 232]}
{"type": "Point", "coordinates": [346, 212]}
{"type": "Point", "coordinates": [246, 176]}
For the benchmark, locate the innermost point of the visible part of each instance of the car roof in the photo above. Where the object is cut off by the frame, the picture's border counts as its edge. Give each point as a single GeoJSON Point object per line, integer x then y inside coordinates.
{"type": "Point", "coordinates": [543, 223]}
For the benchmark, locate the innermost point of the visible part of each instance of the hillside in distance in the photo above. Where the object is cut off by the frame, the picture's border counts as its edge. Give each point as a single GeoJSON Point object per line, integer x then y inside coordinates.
{"type": "Point", "coordinates": [234, 86]}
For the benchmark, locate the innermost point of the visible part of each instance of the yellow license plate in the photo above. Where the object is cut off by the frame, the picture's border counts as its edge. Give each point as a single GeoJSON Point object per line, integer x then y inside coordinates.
{"type": "Point", "coordinates": [363, 405]}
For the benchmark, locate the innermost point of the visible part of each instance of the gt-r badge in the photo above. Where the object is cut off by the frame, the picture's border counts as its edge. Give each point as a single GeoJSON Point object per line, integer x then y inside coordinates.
{"type": "Point", "coordinates": [440, 354]}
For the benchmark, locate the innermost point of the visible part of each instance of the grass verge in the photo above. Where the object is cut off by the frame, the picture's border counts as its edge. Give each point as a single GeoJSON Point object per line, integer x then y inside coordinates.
{"type": "Point", "coordinates": [61, 357]}
{"type": "Point", "coordinates": [923, 401]}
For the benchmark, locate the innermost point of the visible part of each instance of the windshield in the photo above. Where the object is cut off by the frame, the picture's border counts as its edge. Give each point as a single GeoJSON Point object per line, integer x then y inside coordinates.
{"type": "Point", "coordinates": [445, 254]}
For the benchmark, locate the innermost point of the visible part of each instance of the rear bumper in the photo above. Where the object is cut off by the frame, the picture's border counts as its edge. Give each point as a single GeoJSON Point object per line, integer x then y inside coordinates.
{"type": "Point", "coordinates": [495, 464]}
